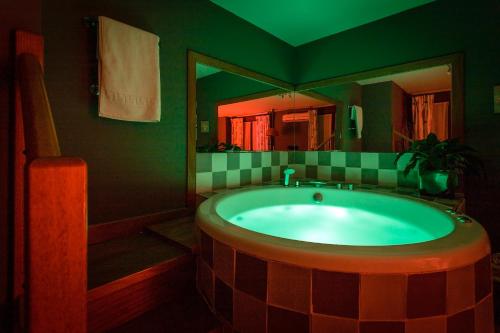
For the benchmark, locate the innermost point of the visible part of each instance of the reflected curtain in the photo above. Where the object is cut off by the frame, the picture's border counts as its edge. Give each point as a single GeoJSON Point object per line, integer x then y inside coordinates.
{"type": "Point", "coordinates": [260, 129]}
{"type": "Point", "coordinates": [247, 141]}
{"type": "Point", "coordinates": [439, 124]}
{"type": "Point", "coordinates": [312, 137]}
{"type": "Point", "coordinates": [237, 132]}
{"type": "Point", "coordinates": [422, 108]}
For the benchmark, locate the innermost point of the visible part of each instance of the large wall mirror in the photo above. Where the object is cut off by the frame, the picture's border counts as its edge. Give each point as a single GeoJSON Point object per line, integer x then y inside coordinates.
{"type": "Point", "coordinates": [384, 110]}
{"type": "Point", "coordinates": [231, 108]}
{"type": "Point", "coordinates": [236, 112]}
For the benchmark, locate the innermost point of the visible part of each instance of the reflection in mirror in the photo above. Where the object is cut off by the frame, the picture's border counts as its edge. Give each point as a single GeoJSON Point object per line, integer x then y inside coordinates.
{"type": "Point", "coordinates": [239, 113]}
{"type": "Point", "coordinates": [386, 113]}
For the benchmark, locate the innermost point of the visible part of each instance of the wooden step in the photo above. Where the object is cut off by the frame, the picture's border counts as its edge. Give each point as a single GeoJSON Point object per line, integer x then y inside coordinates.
{"type": "Point", "coordinates": [180, 231]}
{"type": "Point", "coordinates": [117, 258]}
{"type": "Point", "coordinates": [132, 275]}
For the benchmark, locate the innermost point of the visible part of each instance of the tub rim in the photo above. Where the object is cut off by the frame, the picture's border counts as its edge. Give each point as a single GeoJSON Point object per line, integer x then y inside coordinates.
{"type": "Point", "coordinates": [466, 244]}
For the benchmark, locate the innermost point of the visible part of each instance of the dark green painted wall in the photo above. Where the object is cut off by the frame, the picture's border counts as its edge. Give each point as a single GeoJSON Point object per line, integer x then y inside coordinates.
{"type": "Point", "coordinates": [215, 88]}
{"type": "Point", "coordinates": [439, 28]}
{"type": "Point", "coordinates": [140, 168]}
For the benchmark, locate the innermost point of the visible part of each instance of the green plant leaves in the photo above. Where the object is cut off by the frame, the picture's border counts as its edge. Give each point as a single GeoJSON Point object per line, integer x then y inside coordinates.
{"type": "Point", "coordinates": [450, 155]}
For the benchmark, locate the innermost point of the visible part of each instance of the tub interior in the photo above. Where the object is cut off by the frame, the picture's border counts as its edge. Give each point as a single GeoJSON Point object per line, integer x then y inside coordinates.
{"type": "Point", "coordinates": [342, 217]}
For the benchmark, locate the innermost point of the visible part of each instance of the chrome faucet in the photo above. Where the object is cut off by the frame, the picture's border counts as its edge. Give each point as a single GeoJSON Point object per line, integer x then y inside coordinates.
{"type": "Point", "coordinates": [288, 172]}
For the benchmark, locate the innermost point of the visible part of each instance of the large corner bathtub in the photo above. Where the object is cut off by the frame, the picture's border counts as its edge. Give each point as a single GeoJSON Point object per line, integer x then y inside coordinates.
{"type": "Point", "coordinates": [320, 255]}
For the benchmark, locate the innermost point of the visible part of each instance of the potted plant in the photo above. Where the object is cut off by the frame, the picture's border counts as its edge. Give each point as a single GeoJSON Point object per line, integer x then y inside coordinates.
{"type": "Point", "coordinates": [440, 164]}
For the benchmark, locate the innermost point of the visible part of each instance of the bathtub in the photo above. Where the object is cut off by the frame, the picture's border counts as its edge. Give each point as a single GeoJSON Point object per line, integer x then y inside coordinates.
{"type": "Point", "coordinates": [276, 259]}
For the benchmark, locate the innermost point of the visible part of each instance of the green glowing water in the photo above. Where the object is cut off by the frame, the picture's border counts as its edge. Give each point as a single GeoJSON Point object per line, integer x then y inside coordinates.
{"type": "Point", "coordinates": [330, 225]}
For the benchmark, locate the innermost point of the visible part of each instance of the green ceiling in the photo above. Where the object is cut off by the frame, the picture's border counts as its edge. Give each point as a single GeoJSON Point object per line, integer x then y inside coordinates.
{"type": "Point", "coordinates": [301, 21]}
{"type": "Point", "coordinates": [205, 70]}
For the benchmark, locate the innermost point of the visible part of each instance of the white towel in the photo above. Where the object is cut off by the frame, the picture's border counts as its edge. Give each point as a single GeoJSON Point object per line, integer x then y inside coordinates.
{"type": "Point", "coordinates": [129, 72]}
{"type": "Point", "coordinates": [357, 116]}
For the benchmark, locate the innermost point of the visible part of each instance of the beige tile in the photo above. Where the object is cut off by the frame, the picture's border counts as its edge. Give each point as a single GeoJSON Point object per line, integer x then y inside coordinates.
{"type": "Point", "coordinates": [460, 289]}
{"type": "Point", "coordinates": [427, 325]}
{"type": "Point", "coordinates": [249, 313]}
{"type": "Point", "coordinates": [289, 287]}
{"type": "Point", "coordinates": [382, 297]}
{"type": "Point", "coordinates": [369, 160]}
{"type": "Point", "coordinates": [224, 262]}
{"type": "Point", "coordinates": [326, 324]}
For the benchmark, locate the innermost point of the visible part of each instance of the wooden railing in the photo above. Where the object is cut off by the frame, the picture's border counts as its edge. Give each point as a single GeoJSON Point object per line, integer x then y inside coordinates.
{"type": "Point", "coordinates": [330, 138]}
{"type": "Point", "coordinates": [52, 216]}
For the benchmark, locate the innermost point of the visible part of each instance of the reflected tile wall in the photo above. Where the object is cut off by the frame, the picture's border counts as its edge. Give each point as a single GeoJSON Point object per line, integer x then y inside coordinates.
{"type": "Point", "coordinates": [230, 170]}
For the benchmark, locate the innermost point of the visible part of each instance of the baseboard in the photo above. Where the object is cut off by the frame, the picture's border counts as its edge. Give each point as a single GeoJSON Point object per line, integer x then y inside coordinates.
{"type": "Point", "coordinates": [120, 301]}
{"type": "Point", "coordinates": [105, 231]}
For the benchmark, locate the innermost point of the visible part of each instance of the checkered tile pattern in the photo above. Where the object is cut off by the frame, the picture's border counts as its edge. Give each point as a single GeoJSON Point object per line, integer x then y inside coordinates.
{"type": "Point", "coordinates": [229, 170]}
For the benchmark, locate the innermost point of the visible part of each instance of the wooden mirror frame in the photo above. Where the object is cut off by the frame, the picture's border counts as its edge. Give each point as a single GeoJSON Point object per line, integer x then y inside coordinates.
{"type": "Point", "coordinates": [193, 59]}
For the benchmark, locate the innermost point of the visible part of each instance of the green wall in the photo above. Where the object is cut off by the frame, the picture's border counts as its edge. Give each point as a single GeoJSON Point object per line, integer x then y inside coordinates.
{"type": "Point", "coordinates": [140, 168]}
{"type": "Point", "coordinates": [218, 87]}
{"type": "Point", "coordinates": [439, 28]}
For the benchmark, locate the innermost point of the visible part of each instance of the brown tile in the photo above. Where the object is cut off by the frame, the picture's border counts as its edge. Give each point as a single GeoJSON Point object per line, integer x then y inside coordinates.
{"type": "Point", "coordinates": [462, 322]}
{"type": "Point", "coordinates": [460, 289]}
{"type": "Point", "coordinates": [250, 314]}
{"type": "Point", "coordinates": [206, 250]}
{"type": "Point", "coordinates": [382, 327]}
{"type": "Point", "coordinates": [251, 276]}
{"type": "Point", "coordinates": [483, 315]}
{"type": "Point", "coordinates": [426, 295]}
{"type": "Point", "coordinates": [427, 325]}
{"type": "Point", "coordinates": [281, 320]}
{"type": "Point", "coordinates": [224, 262]}
{"type": "Point", "coordinates": [223, 300]}
{"type": "Point", "coordinates": [289, 287]}
{"type": "Point", "coordinates": [482, 270]}
{"type": "Point", "coordinates": [382, 297]}
{"type": "Point", "coordinates": [335, 293]}
{"type": "Point", "coordinates": [322, 324]}
{"type": "Point", "coordinates": [205, 281]}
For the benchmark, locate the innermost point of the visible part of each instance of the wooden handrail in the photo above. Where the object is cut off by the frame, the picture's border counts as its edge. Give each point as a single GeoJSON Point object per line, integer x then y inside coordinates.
{"type": "Point", "coordinates": [325, 142]}
{"type": "Point", "coordinates": [39, 130]}
{"type": "Point", "coordinates": [402, 136]}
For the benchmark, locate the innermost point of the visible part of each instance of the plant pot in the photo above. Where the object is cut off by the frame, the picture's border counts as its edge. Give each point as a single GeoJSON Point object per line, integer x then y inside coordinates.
{"type": "Point", "coordinates": [438, 182]}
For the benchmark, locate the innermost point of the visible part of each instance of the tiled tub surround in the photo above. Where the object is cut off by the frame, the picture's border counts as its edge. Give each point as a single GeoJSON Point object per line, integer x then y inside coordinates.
{"type": "Point", "coordinates": [253, 295]}
{"type": "Point", "coordinates": [228, 170]}
{"type": "Point", "coordinates": [259, 293]}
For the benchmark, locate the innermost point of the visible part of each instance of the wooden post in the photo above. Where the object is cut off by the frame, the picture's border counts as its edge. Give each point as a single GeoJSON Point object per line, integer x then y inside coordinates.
{"type": "Point", "coordinates": [56, 251]}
